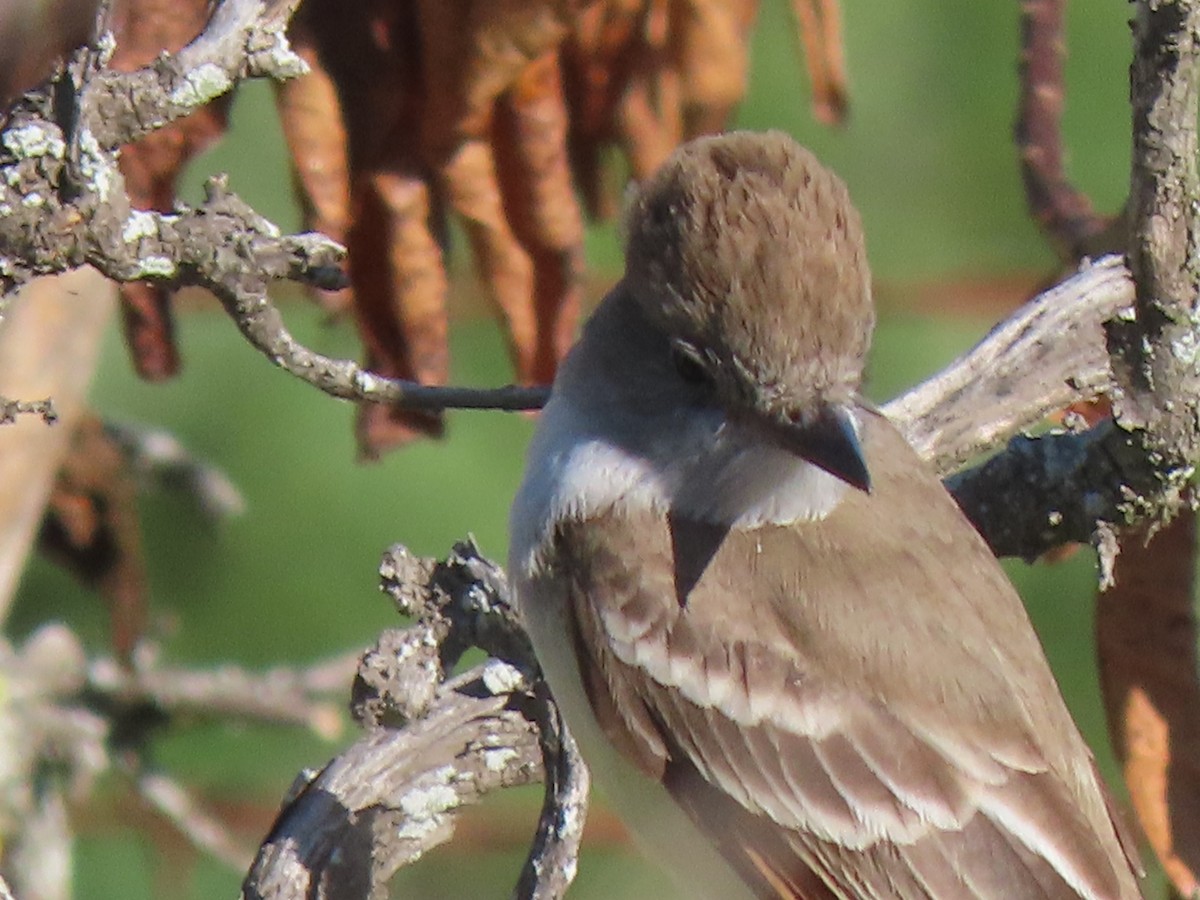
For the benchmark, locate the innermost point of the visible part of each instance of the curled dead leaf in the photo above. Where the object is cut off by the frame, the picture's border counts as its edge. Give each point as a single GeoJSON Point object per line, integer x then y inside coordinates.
{"type": "Point", "coordinates": [1147, 638]}
{"type": "Point", "coordinates": [91, 528]}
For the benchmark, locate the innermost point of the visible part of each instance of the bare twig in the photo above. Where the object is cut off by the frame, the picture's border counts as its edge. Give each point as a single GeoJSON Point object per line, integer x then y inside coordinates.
{"type": "Point", "coordinates": [65, 721]}
{"type": "Point", "coordinates": [281, 696]}
{"type": "Point", "coordinates": [175, 803]}
{"type": "Point", "coordinates": [160, 461]}
{"type": "Point", "coordinates": [1064, 212]}
{"type": "Point", "coordinates": [10, 409]}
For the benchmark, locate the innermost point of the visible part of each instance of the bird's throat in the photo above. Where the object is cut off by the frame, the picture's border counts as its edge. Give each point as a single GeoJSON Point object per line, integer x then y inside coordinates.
{"type": "Point", "coordinates": [703, 471]}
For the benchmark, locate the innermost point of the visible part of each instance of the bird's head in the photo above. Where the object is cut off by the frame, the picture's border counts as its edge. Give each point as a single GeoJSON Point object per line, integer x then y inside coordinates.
{"type": "Point", "coordinates": [748, 257]}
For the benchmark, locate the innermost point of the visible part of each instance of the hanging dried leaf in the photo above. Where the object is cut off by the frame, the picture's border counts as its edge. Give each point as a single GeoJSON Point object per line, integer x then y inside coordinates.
{"type": "Point", "coordinates": [367, 64]}
{"type": "Point", "coordinates": [474, 52]}
{"type": "Point", "coordinates": [650, 113]}
{"type": "Point", "coordinates": [821, 34]}
{"type": "Point", "coordinates": [1147, 638]}
{"type": "Point", "coordinates": [400, 301]}
{"type": "Point", "coordinates": [712, 44]}
{"type": "Point", "coordinates": [91, 527]}
{"type": "Point", "coordinates": [539, 200]}
{"type": "Point", "coordinates": [151, 166]}
{"type": "Point", "coordinates": [490, 109]}
{"type": "Point", "coordinates": [596, 61]}
{"type": "Point", "coordinates": [310, 111]}
{"type": "Point", "coordinates": [646, 74]}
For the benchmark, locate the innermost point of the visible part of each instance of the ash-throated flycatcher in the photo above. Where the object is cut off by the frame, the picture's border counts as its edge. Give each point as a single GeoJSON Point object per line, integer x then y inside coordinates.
{"type": "Point", "coordinates": [788, 658]}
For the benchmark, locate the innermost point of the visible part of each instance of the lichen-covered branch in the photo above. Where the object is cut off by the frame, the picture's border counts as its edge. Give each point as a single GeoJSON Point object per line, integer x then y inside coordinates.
{"type": "Point", "coordinates": [433, 745]}
{"type": "Point", "coordinates": [1156, 350]}
{"type": "Point", "coordinates": [243, 39]}
{"type": "Point", "coordinates": [64, 204]}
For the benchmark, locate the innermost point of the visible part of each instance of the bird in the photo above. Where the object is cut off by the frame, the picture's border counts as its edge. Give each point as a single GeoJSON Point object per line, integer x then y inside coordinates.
{"type": "Point", "coordinates": [789, 660]}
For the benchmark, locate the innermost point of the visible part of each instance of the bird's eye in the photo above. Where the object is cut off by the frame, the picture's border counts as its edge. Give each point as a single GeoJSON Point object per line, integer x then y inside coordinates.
{"type": "Point", "coordinates": [689, 364]}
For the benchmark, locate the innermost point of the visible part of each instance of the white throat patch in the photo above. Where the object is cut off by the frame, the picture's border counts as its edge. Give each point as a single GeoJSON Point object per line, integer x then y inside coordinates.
{"type": "Point", "coordinates": [706, 469]}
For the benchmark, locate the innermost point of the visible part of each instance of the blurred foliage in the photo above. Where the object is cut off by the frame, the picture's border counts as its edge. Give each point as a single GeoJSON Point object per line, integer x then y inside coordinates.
{"type": "Point", "coordinates": [929, 159]}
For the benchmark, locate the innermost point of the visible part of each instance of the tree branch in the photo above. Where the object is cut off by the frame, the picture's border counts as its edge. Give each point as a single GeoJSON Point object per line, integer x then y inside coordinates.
{"type": "Point", "coordinates": [432, 746]}
{"type": "Point", "coordinates": [63, 201]}
{"type": "Point", "coordinates": [1047, 355]}
{"type": "Point", "coordinates": [1156, 349]}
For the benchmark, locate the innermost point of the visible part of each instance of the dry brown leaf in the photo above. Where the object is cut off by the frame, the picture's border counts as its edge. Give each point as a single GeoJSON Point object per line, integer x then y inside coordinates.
{"type": "Point", "coordinates": [539, 199]}
{"type": "Point", "coordinates": [91, 527]}
{"type": "Point", "coordinates": [151, 166]}
{"type": "Point", "coordinates": [475, 52]}
{"type": "Point", "coordinates": [820, 24]}
{"type": "Point", "coordinates": [712, 44]}
{"type": "Point", "coordinates": [366, 58]}
{"type": "Point", "coordinates": [650, 113]}
{"type": "Point", "coordinates": [1147, 638]}
{"type": "Point", "coordinates": [596, 63]}
{"type": "Point", "coordinates": [647, 74]}
{"type": "Point", "coordinates": [310, 111]}
{"type": "Point", "coordinates": [399, 301]}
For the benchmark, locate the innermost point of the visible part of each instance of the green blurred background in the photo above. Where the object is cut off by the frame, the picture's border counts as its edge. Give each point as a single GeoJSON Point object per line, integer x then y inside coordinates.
{"type": "Point", "coordinates": [929, 159]}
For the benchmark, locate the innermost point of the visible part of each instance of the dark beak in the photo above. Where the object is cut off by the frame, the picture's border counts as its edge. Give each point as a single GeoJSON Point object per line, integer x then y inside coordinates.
{"type": "Point", "coordinates": [828, 442]}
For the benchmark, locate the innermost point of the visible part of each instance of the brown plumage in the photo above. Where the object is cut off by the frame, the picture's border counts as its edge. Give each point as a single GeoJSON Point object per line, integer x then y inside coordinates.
{"type": "Point", "coordinates": [840, 689]}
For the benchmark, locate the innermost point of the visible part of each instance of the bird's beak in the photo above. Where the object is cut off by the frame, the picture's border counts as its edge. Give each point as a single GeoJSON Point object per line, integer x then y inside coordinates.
{"type": "Point", "coordinates": [828, 441]}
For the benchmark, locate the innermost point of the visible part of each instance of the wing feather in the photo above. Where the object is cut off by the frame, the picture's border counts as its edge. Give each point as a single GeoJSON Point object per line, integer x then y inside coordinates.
{"type": "Point", "coordinates": [795, 726]}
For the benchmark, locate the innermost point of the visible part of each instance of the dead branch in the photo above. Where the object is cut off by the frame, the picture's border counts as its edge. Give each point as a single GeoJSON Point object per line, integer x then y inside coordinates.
{"type": "Point", "coordinates": [175, 803]}
{"type": "Point", "coordinates": [285, 695]}
{"type": "Point", "coordinates": [433, 745]}
{"type": "Point", "coordinates": [63, 201]}
{"type": "Point", "coordinates": [1046, 355]}
{"type": "Point", "coordinates": [1155, 349]}
{"type": "Point", "coordinates": [67, 721]}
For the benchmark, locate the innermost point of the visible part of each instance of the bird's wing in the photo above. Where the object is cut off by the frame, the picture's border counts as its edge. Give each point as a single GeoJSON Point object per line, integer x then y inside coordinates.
{"type": "Point", "coordinates": [850, 778]}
